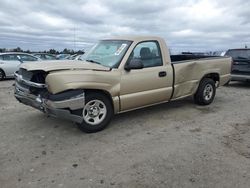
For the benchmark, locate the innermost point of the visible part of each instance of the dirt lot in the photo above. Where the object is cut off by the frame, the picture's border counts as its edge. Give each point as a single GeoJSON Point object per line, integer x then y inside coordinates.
{"type": "Point", "coordinates": [171, 145]}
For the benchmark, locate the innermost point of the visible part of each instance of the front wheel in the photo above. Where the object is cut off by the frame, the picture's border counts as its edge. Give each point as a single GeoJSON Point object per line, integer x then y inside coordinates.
{"type": "Point", "coordinates": [96, 113]}
{"type": "Point", "coordinates": [206, 92]}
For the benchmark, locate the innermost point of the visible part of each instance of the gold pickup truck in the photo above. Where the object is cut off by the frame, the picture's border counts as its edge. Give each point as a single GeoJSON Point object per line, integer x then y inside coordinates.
{"type": "Point", "coordinates": [118, 75]}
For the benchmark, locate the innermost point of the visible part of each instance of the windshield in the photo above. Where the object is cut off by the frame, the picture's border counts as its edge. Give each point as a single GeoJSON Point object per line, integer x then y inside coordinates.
{"type": "Point", "coordinates": [239, 54]}
{"type": "Point", "coordinates": [107, 52]}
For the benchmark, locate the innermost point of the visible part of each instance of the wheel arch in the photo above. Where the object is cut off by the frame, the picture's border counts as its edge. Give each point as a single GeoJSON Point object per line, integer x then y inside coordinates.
{"type": "Point", "coordinates": [103, 92]}
{"type": "Point", "coordinates": [214, 76]}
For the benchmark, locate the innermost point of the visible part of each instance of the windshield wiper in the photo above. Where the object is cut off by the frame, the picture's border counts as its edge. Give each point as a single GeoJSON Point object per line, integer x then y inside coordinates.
{"type": "Point", "coordinates": [93, 61]}
{"type": "Point", "coordinates": [96, 62]}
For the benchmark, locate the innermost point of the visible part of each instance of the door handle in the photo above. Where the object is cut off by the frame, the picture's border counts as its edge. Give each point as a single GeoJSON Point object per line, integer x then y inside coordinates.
{"type": "Point", "coordinates": [162, 74]}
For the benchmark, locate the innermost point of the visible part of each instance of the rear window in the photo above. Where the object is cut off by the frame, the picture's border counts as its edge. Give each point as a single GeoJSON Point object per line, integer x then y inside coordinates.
{"type": "Point", "coordinates": [239, 54]}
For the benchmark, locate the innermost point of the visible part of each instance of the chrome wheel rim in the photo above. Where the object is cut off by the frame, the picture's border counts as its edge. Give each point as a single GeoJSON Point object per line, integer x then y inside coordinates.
{"type": "Point", "coordinates": [208, 92]}
{"type": "Point", "coordinates": [94, 112]}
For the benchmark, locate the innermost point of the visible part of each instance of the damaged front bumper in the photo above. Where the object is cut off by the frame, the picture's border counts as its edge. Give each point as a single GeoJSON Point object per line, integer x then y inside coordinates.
{"type": "Point", "coordinates": [61, 109]}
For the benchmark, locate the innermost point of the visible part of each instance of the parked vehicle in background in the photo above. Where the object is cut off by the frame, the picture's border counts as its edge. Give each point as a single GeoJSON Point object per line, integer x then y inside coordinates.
{"type": "Point", "coordinates": [45, 56]}
{"type": "Point", "coordinates": [118, 75]}
{"type": "Point", "coordinates": [223, 53]}
{"type": "Point", "coordinates": [196, 53]}
{"type": "Point", "coordinates": [9, 63]}
{"type": "Point", "coordinates": [241, 64]}
{"type": "Point", "coordinates": [78, 57]}
{"type": "Point", "coordinates": [62, 56]}
{"type": "Point", "coordinates": [74, 57]}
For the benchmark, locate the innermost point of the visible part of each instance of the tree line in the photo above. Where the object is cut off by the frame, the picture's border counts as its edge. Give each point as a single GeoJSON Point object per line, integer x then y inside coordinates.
{"type": "Point", "coordinates": [50, 51]}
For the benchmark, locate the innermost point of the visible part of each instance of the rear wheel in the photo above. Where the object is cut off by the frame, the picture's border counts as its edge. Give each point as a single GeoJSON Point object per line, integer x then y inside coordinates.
{"type": "Point", "coordinates": [2, 75]}
{"type": "Point", "coordinates": [96, 113]}
{"type": "Point", "coordinates": [206, 92]}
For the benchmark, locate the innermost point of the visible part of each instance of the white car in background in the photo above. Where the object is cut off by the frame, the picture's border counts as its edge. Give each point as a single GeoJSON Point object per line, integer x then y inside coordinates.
{"type": "Point", "coordinates": [74, 57]}
{"type": "Point", "coordinates": [9, 63]}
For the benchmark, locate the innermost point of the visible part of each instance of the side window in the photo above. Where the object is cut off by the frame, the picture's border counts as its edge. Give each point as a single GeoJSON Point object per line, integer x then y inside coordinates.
{"type": "Point", "coordinates": [49, 57]}
{"type": "Point", "coordinates": [27, 58]}
{"type": "Point", "coordinates": [1, 57]}
{"type": "Point", "coordinates": [10, 57]}
{"type": "Point", "coordinates": [149, 53]}
{"type": "Point", "coordinates": [39, 55]}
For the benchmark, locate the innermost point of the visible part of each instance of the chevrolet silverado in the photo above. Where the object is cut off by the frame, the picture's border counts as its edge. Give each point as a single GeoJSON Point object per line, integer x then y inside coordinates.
{"type": "Point", "coordinates": [118, 75]}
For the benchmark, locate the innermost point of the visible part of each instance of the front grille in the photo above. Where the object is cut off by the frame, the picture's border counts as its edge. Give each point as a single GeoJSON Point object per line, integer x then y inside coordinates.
{"type": "Point", "coordinates": [27, 75]}
{"type": "Point", "coordinates": [36, 77]}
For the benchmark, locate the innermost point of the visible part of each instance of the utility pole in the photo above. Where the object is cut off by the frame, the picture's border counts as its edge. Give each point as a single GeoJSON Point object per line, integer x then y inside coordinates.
{"type": "Point", "coordinates": [74, 38]}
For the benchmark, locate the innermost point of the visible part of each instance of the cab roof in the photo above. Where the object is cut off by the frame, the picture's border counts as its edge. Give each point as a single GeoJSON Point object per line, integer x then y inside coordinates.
{"type": "Point", "coordinates": [134, 38]}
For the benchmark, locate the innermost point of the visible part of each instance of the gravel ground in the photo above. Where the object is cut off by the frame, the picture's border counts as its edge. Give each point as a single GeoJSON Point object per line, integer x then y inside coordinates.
{"type": "Point", "coordinates": [178, 144]}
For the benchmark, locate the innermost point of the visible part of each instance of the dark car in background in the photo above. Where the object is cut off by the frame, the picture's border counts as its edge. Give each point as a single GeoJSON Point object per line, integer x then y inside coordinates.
{"type": "Point", "coordinates": [241, 64]}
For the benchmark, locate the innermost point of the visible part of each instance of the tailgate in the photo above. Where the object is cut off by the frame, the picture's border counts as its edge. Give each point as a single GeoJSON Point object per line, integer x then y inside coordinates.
{"type": "Point", "coordinates": [241, 67]}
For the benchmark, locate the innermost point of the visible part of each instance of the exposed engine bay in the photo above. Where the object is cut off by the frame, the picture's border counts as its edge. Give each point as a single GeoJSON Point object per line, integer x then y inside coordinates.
{"type": "Point", "coordinates": [31, 89]}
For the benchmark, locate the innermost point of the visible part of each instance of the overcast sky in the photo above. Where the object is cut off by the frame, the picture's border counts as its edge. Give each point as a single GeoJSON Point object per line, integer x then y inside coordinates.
{"type": "Point", "coordinates": [187, 25]}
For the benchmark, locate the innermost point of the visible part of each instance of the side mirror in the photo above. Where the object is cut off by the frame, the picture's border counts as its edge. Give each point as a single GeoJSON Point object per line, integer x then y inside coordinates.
{"type": "Point", "coordinates": [133, 64]}
{"type": "Point", "coordinates": [19, 59]}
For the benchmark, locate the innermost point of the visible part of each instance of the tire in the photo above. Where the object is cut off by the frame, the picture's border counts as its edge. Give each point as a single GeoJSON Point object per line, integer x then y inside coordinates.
{"type": "Point", "coordinates": [97, 113]}
{"type": "Point", "coordinates": [2, 75]}
{"type": "Point", "coordinates": [206, 92]}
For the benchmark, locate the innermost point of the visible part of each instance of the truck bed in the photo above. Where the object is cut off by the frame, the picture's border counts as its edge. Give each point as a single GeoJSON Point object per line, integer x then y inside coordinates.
{"type": "Point", "coordinates": [188, 72]}
{"type": "Point", "coordinates": [185, 57]}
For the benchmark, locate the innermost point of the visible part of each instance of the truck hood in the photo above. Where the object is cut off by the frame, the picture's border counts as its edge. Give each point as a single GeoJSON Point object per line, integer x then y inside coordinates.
{"type": "Point", "coordinates": [48, 66]}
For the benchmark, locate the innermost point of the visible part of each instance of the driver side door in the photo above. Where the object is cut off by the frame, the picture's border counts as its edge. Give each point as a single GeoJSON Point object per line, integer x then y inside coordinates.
{"type": "Point", "coordinates": [150, 85]}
